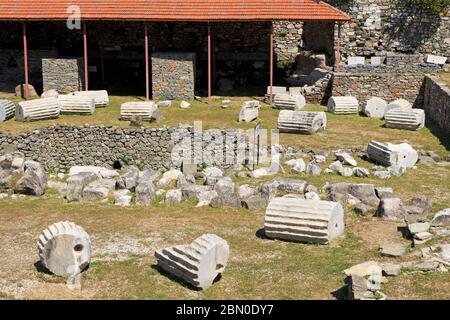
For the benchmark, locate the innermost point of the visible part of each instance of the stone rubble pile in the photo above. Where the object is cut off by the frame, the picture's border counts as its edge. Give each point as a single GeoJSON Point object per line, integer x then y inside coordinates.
{"type": "Point", "coordinates": [21, 176]}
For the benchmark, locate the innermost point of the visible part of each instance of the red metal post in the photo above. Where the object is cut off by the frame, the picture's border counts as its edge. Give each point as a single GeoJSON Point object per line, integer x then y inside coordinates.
{"type": "Point", "coordinates": [209, 64]}
{"type": "Point", "coordinates": [147, 68]}
{"type": "Point", "coordinates": [338, 49]}
{"type": "Point", "coordinates": [271, 65]}
{"type": "Point", "coordinates": [86, 63]}
{"type": "Point", "coordinates": [214, 41]}
{"type": "Point", "coordinates": [25, 59]}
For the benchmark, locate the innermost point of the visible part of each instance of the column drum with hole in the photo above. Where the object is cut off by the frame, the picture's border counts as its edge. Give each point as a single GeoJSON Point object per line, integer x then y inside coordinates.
{"type": "Point", "coordinates": [64, 249]}
{"type": "Point", "coordinates": [300, 220]}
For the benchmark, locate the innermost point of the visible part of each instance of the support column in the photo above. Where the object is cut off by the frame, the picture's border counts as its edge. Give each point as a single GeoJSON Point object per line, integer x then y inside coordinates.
{"type": "Point", "coordinates": [86, 63]}
{"type": "Point", "coordinates": [147, 68]}
{"type": "Point", "coordinates": [271, 64]}
{"type": "Point", "coordinates": [25, 59]}
{"type": "Point", "coordinates": [209, 64]}
{"type": "Point", "coordinates": [338, 49]}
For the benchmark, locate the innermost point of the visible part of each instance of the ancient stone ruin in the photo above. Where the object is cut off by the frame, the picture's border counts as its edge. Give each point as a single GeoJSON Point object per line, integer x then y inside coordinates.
{"type": "Point", "coordinates": [399, 118]}
{"type": "Point", "coordinates": [71, 104]}
{"type": "Point", "coordinates": [199, 263]}
{"type": "Point", "coordinates": [375, 108]}
{"type": "Point", "coordinates": [343, 105]}
{"type": "Point", "coordinates": [249, 111]}
{"type": "Point", "coordinates": [289, 102]}
{"type": "Point", "coordinates": [7, 110]}
{"type": "Point", "coordinates": [147, 111]}
{"type": "Point", "coordinates": [311, 221]}
{"type": "Point", "coordinates": [101, 98]}
{"type": "Point", "coordinates": [402, 155]}
{"type": "Point", "coordinates": [64, 249]}
{"type": "Point", "coordinates": [39, 109]}
{"type": "Point", "coordinates": [301, 122]}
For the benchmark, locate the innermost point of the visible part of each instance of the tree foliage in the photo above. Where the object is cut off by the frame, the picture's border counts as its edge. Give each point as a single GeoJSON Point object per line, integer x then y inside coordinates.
{"type": "Point", "coordinates": [436, 6]}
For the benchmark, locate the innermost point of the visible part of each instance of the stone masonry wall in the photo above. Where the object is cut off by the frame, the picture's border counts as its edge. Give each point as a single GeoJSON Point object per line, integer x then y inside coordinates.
{"type": "Point", "coordinates": [389, 86]}
{"type": "Point", "coordinates": [63, 75]}
{"type": "Point", "coordinates": [61, 146]}
{"type": "Point", "coordinates": [437, 102]}
{"type": "Point", "coordinates": [173, 75]}
{"type": "Point", "coordinates": [382, 26]}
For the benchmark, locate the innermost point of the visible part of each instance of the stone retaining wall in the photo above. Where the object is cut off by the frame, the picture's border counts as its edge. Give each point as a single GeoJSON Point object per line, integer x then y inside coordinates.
{"type": "Point", "coordinates": [389, 86]}
{"type": "Point", "coordinates": [437, 102]}
{"type": "Point", "coordinates": [61, 146]}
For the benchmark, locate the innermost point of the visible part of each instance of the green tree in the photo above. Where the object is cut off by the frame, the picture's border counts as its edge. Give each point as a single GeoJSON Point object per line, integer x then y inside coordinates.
{"type": "Point", "coordinates": [436, 6]}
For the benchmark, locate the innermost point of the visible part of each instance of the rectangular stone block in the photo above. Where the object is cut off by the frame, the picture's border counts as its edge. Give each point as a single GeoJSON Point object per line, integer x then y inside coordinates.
{"type": "Point", "coordinates": [173, 75]}
{"type": "Point", "coordinates": [431, 58]}
{"type": "Point", "coordinates": [62, 75]}
{"type": "Point", "coordinates": [353, 61]}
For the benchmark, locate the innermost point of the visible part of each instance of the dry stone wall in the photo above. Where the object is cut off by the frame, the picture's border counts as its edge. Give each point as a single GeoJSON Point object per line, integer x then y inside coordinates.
{"type": "Point", "coordinates": [437, 102]}
{"type": "Point", "coordinates": [63, 75]}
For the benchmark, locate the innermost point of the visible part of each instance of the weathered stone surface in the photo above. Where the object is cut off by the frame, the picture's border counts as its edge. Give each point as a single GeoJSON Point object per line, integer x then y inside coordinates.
{"type": "Point", "coordinates": [76, 183]}
{"type": "Point", "coordinates": [384, 192]}
{"type": "Point", "coordinates": [363, 209]}
{"type": "Point", "coordinates": [442, 218]}
{"type": "Point", "coordinates": [62, 75]}
{"type": "Point", "coordinates": [345, 158]}
{"type": "Point", "coordinates": [364, 269]}
{"type": "Point", "coordinates": [7, 110]}
{"type": "Point", "coordinates": [245, 191]}
{"type": "Point", "coordinates": [255, 202]}
{"type": "Point", "coordinates": [289, 219]}
{"type": "Point", "coordinates": [313, 169]}
{"type": "Point", "coordinates": [226, 192]}
{"type": "Point", "coordinates": [398, 118]}
{"type": "Point", "coordinates": [199, 263]}
{"type": "Point", "coordinates": [415, 228]}
{"type": "Point", "coordinates": [128, 179]}
{"type": "Point", "coordinates": [402, 155]}
{"type": "Point", "coordinates": [71, 104]}
{"type": "Point", "coordinates": [288, 185]}
{"type": "Point", "coordinates": [145, 191]}
{"type": "Point", "coordinates": [361, 172]}
{"type": "Point", "coordinates": [391, 209]}
{"type": "Point", "coordinates": [38, 109]}
{"type": "Point", "coordinates": [21, 90]}
{"type": "Point", "coordinates": [34, 180]}
{"type": "Point", "coordinates": [174, 196]}
{"type": "Point", "coordinates": [346, 172]}
{"type": "Point", "coordinates": [336, 166]}
{"type": "Point", "coordinates": [401, 104]}
{"type": "Point", "coordinates": [101, 98]}
{"type": "Point", "coordinates": [122, 198]}
{"type": "Point", "coordinates": [99, 189]}
{"type": "Point", "coordinates": [375, 108]}
{"type": "Point", "coordinates": [343, 105]}
{"type": "Point", "coordinates": [301, 122]}
{"type": "Point", "coordinates": [52, 93]}
{"type": "Point", "coordinates": [391, 269]}
{"type": "Point", "coordinates": [289, 102]}
{"type": "Point", "coordinates": [147, 110]}
{"type": "Point", "coordinates": [393, 250]}
{"type": "Point", "coordinates": [64, 249]}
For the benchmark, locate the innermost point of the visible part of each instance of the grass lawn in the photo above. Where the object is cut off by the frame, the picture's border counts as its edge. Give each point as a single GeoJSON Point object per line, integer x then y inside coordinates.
{"type": "Point", "coordinates": [342, 131]}
{"type": "Point", "coordinates": [124, 239]}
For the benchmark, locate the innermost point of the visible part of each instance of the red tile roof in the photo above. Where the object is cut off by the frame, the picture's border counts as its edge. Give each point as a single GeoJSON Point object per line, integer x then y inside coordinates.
{"type": "Point", "coordinates": [172, 10]}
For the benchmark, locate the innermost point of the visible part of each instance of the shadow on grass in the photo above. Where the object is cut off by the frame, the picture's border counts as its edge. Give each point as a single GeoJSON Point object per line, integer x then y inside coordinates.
{"type": "Point", "coordinates": [341, 293]}
{"type": "Point", "coordinates": [41, 268]}
{"type": "Point", "coordinates": [438, 132]}
{"type": "Point", "coordinates": [261, 234]}
{"type": "Point", "coordinates": [179, 280]}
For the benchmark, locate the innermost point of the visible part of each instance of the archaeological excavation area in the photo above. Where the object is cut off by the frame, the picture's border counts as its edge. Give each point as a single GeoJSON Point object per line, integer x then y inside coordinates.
{"type": "Point", "coordinates": [291, 150]}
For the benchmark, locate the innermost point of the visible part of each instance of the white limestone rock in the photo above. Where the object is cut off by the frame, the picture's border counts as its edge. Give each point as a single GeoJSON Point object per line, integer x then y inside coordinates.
{"type": "Point", "coordinates": [402, 155]}
{"type": "Point", "coordinates": [64, 249]}
{"type": "Point", "coordinates": [38, 109]}
{"type": "Point", "coordinates": [441, 219]}
{"type": "Point", "coordinates": [300, 220]}
{"type": "Point", "coordinates": [197, 264]}
{"type": "Point", "coordinates": [301, 122]}
{"type": "Point", "coordinates": [101, 98]}
{"type": "Point", "coordinates": [71, 104]}
{"type": "Point", "coordinates": [289, 102]}
{"type": "Point", "coordinates": [146, 110]}
{"type": "Point", "coordinates": [7, 110]}
{"type": "Point", "coordinates": [52, 93]}
{"type": "Point", "coordinates": [174, 196]}
{"type": "Point", "coordinates": [345, 158]}
{"type": "Point", "coordinates": [398, 104]}
{"type": "Point", "coordinates": [122, 198]}
{"type": "Point", "coordinates": [99, 189]}
{"type": "Point", "coordinates": [398, 118]}
{"type": "Point", "coordinates": [185, 105]}
{"type": "Point", "coordinates": [343, 105]}
{"type": "Point", "coordinates": [375, 108]}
